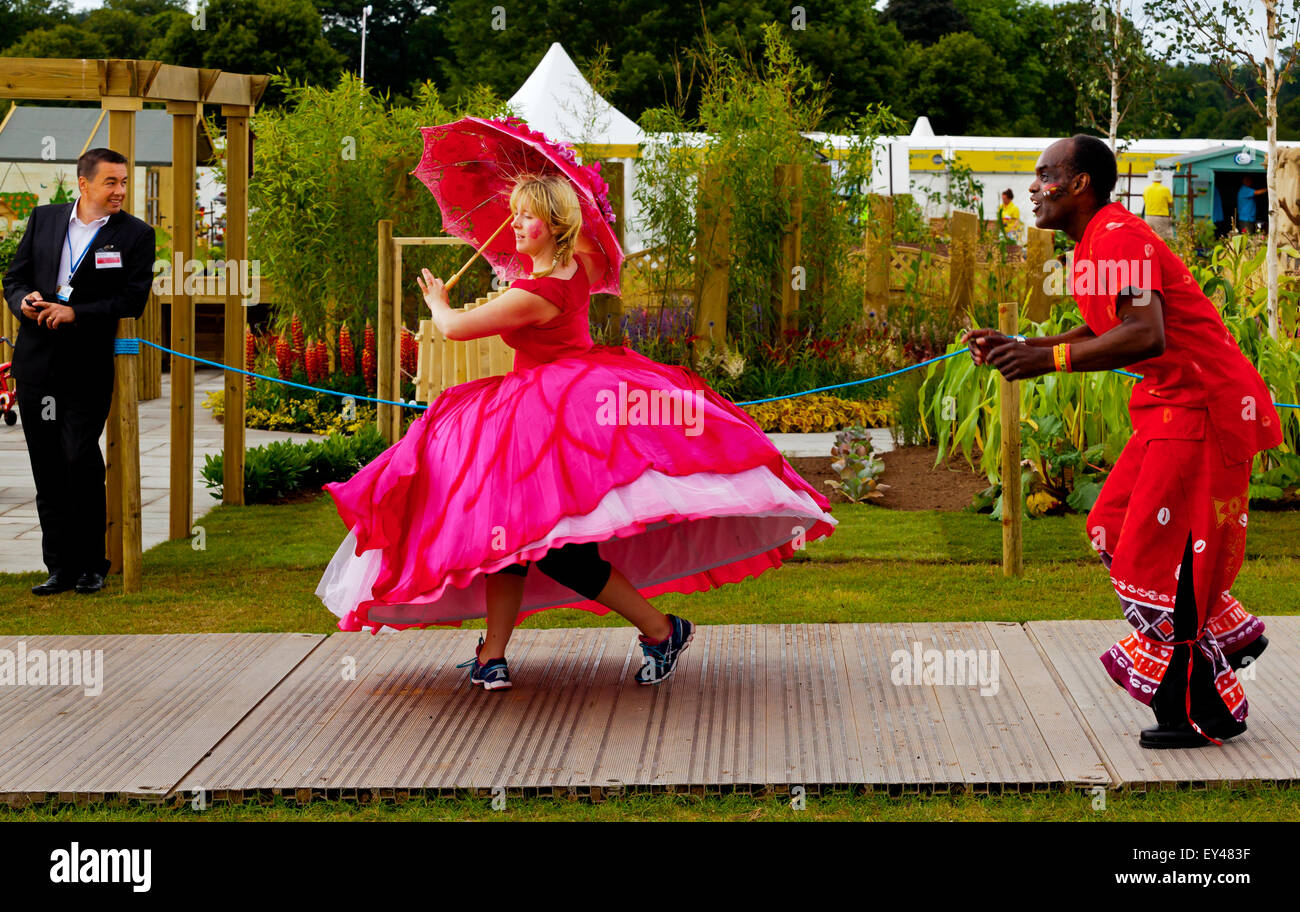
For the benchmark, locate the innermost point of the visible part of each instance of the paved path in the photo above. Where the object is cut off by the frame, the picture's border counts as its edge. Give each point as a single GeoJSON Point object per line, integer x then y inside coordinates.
{"type": "Point", "coordinates": [20, 530]}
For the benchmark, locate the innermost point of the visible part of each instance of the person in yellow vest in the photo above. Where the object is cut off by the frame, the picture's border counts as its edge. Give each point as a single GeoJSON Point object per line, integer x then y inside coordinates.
{"type": "Point", "coordinates": [1009, 217]}
{"type": "Point", "coordinates": [1157, 207]}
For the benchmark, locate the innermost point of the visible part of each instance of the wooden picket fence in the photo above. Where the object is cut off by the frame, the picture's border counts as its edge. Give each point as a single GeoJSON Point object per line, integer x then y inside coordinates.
{"type": "Point", "coordinates": [442, 363]}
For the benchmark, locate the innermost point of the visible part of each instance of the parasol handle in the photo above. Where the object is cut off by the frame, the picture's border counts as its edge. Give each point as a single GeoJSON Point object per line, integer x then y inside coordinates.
{"type": "Point", "coordinates": [451, 283]}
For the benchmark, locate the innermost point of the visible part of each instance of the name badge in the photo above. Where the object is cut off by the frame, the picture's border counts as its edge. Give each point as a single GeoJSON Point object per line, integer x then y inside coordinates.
{"type": "Point", "coordinates": [64, 293]}
{"type": "Point", "coordinates": [108, 259]}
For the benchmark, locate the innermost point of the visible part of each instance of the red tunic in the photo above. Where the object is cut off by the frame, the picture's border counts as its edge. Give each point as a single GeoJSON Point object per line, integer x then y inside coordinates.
{"type": "Point", "coordinates": [1200, 414]}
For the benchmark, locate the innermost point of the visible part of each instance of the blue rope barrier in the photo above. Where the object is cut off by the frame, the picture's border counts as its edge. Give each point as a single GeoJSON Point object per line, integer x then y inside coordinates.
{"type": "Point", "coordinates": [314, 389]}
{"type": "Point", "coordinates": [821, 389]}
{"type": "Point", "coordinates": [1116, 370]}
{"type": "Point", "coordinates": [132, 346]}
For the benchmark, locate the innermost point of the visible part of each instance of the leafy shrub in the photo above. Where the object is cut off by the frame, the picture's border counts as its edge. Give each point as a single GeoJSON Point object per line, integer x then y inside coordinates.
{"type": "Point", "coordinates": [857, 466]}
{"type": "Point", "coordinates": [809, 414]}
{"type": "Point", "coordinates": [276, 470]}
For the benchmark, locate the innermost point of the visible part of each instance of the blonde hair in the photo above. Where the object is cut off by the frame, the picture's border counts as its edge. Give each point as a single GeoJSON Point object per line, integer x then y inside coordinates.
{"type": "Point", "coordinates": [552, 199]}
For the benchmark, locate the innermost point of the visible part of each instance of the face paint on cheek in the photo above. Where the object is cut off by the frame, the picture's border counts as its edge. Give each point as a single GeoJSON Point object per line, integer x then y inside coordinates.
{"type": "Point", "coordinates": [1052, 191]}
{"type": "Point", "coordinates": [534, 232]}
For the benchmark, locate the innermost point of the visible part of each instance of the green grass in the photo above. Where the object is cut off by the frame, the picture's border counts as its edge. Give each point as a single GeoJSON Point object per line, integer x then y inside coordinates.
{"type": "Point", "coordinates": [1222, 804]}
{"type": "Point", "coordinates": [261, 564]}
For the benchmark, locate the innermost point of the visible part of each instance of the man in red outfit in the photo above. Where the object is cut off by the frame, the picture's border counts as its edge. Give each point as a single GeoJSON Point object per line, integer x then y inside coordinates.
{"type": "Point", "coordinates": [1170, 523]}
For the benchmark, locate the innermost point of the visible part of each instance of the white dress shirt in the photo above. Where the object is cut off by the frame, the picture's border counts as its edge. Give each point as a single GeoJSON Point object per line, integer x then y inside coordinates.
{"type": "Point", "coordinates": [79, 235]}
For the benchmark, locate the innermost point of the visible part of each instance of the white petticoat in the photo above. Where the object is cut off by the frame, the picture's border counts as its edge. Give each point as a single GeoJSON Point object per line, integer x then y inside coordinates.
{"type": "Point", "coordinates": [722, 519]}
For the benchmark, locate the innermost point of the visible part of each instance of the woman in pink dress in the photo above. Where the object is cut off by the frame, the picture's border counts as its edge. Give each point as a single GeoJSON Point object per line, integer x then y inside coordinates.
{"type": "Point", "coordinates": [620, 477]}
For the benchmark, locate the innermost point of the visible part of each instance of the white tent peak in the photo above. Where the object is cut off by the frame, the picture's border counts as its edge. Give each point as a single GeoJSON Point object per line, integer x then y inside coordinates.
{"type": "Point", "coordinates": [557, 100]}
{"type": "Point", "coordinates": [922, 129]}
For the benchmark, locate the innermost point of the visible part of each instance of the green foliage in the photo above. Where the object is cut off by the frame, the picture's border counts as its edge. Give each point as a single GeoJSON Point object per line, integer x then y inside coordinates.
{"type": "Point", "coordinates": [818, 414]}
{"type": "Point", "coordinates": [279, 469]}
{"type": "Point", "coordinates": [254, 36]}
{"type": "Point", "coordinates": [1073, 424]}
{"type": "Point", "coordinates": [327, 168]}
{"type": "Point", "coordinates": [752, 117]}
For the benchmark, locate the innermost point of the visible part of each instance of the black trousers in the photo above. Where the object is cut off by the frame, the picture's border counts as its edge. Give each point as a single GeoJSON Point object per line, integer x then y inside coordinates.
{"type": "Point", "coordinates": [62, 423]}
{"type": "Point", "coordinates": [576, 565]}
{"type": "Point", "coordinates": [1168, 701]}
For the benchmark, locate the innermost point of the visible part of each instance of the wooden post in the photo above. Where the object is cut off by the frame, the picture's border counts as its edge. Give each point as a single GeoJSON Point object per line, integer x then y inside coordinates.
{"type": "Point", "coordinates": [1038, 252]}
{"type": "Point", "coordinates": [789, 183]}
{"type": "Point", "coordinates": [610, 306]}
{"type": "Point", "coordinates": [1013, 561]}
{"type": "Point", "coordinates": [964, 227]}
{"type": "Point", "coordinates": [236, 322]}
{"type": "Point", "coordinates": [384, 333]}
{"type": "Point", "coordinates": [124, 457]}
{"type": "Point", "coordinates": [185, 116]}
{"type": "Point", "coordinates": [712, 260]}
{"type": "Point", "coordinates": [122, 441]}
{"type": "Point", "coordinates": [877, 243]}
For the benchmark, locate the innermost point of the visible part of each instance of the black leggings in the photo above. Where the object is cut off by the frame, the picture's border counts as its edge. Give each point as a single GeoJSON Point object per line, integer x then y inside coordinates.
{"type": "Point", "coordinates": [576, 565]}
{"type": "Point", "coordinates": [1168, 700]}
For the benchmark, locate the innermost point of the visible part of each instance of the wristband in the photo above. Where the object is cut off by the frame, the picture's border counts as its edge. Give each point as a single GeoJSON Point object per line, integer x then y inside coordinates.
{"type": "Point", "coordinates": [1061, 357]}
{"type": "Point", "coordinates": [1020, 338]}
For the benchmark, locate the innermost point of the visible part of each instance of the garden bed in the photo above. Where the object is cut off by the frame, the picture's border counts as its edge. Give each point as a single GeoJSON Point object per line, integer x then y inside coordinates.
{"type": "Point", "coordinates": [914, 482]}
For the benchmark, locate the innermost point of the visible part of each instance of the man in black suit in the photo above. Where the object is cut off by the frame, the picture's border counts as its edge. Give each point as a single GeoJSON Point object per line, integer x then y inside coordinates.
{"type": "Point", "coordinates": [78, 269]}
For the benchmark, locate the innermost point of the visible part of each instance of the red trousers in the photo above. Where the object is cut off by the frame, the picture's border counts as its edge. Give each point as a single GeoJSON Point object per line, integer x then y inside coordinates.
{"type": "Point", "coordinates": [1164, 494]}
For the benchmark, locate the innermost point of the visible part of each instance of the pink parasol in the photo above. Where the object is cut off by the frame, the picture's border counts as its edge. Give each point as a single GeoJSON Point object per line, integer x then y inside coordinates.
{"type": "Point", "coordinates": [470, 167]}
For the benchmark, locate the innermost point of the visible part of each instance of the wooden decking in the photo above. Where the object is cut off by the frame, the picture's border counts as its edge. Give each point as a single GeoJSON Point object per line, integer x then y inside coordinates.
{"type": "Point", "coordinates": [751, 709]}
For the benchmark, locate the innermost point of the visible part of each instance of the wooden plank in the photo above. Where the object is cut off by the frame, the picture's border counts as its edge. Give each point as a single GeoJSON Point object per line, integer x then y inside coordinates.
{"type": "Point", "coordinates": [613, 662]}
{"type": "Point", "coordinates": [166, 700]}
{"type": "Point", "coordinates": [39, 79]}
{"type": "Point", "coordinates": [1062, 730]}
{"type": "Point", "coordinates": [1039, 250]}
{"type": "Point", "coordinates": [270, 738]}
{"type": "Point", "coordinates": [961, 273]}
{"type": "Point", "coordinates": [1263, 753]}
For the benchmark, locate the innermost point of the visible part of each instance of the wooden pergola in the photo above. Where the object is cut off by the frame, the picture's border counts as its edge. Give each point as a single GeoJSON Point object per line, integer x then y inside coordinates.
{"type": "Point", "coordinates": [122, 87]}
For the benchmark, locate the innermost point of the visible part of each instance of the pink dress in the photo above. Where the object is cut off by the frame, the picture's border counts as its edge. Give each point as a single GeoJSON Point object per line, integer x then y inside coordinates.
{"type": "Point", "coordinates": [578, 443]}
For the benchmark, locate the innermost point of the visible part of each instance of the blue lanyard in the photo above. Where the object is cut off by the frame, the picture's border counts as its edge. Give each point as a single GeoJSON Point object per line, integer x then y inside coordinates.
{"type": "Point", "coordinates": [67, 239]}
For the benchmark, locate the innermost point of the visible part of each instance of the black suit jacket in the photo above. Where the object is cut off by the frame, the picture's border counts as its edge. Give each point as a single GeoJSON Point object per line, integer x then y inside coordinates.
{"type": "Point", "coordinates": [80, 351]}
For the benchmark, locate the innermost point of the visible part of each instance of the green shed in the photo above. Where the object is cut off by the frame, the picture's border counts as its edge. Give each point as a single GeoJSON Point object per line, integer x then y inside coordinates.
{"type": "Point", "coordinates": [1216, 177]}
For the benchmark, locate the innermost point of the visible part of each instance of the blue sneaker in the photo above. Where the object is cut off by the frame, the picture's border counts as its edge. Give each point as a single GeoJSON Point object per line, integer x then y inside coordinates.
{"type": "Point", "coordinates": [492, 675]}
{"type": "Point", "coordinates": [661, 658]}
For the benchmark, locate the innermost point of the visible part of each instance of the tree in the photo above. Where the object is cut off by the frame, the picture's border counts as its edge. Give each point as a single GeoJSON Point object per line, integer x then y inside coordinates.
{"type": "Point", "coordinates": [1220, 33]}
{"type": "Point", "coordinates": [59, 41]}
{"type": "Point", "coordinates": [254, 36]}
{"type": "Point", "coordinates": [18, 17]}
{"type": "Point", "coordinates": [402, 40]}
{"type": "Point", "coordinates": [1105, 58]}
{"type": "Point", "coordinates": [961, 84]}
{"type": "Point", "coordinates": [925, 21]}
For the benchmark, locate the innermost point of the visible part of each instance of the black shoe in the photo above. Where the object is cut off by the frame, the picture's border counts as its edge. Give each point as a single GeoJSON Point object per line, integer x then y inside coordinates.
{"type": "Point", "coordinates": [1182, 734]}
{"type": "Point", "coordinates": [1248, 655]}
{"type": "Point", "coordinates": [59, 581]}
{"type": "Point", "coordinates": [90, 581]}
